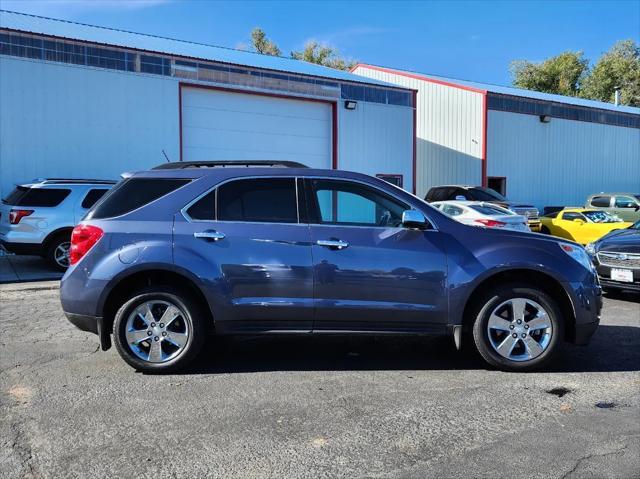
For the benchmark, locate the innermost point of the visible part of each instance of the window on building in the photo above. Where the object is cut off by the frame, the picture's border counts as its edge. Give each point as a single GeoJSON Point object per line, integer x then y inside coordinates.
{"type": "Point", "coordinates": [393, 179]}
{"type": "Point", "coordinates": [259, 200]}
{"type": "Point", "coordinates": [498, 183]}
{"type": "Point", "coordinates": [347, 203]}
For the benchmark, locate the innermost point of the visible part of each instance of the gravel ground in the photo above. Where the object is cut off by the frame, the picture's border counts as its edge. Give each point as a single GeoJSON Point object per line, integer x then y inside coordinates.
{"type": "Point", "coordinates": [312, 407]}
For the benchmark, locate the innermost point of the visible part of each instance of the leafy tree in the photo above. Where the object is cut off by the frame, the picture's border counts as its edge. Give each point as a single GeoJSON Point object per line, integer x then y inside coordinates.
{"type": "Point", "coordinates": [619, 67]}
{"type": "Point", "coordinates": [262, 44]}
{"type": "Point", "coordinates": [561, 74]}
{"type": "Point", "coordinates": [325, 55]}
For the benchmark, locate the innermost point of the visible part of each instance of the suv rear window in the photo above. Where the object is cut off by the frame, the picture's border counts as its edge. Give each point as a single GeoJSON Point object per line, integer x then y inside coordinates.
{"type": "Point", "coordinates": [44, 197]}
{"type": "Point", "coordinates": [134, 193]}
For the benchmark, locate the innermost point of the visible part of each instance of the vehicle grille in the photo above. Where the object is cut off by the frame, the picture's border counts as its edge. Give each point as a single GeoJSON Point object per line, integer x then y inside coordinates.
{"type": "Point", "coordinates": [529, 213]}
{"type": "Point", "coordinates": [620, 260]}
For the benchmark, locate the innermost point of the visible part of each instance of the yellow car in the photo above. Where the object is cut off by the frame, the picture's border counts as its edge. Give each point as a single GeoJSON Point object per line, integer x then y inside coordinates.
{"type": "Point", "coordinates": [580, 225]}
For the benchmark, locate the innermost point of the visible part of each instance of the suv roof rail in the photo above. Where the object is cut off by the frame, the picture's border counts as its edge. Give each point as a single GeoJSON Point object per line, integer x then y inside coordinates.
{"type": "Point", "coordinates": [179, 165]}
{"type": "Point", "coordinates": [60, 181]}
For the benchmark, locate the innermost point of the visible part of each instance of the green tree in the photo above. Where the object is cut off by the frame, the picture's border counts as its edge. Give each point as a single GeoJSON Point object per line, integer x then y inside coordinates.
{"type": "Point", "coordinates": [561, 74]}
{"type": "Point", "coordinates": [619, 67]}
{"type": "Point", "coordinates": [262, 44]}
{"type": "Point", "coordinates": [325, 55]}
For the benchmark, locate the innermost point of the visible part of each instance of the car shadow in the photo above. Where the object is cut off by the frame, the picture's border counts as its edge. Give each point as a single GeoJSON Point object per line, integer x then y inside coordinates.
{"type": "Point", "coordinates": [613, 348]}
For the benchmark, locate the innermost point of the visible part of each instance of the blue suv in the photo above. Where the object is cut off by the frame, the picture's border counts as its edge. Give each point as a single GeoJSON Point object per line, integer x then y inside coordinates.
{"type": "Point", "coordinates": [172, 255]}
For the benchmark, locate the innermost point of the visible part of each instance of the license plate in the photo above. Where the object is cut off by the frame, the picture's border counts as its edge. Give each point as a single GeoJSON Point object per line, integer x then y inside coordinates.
{"type": "Point", "coordinates": [624, 275]}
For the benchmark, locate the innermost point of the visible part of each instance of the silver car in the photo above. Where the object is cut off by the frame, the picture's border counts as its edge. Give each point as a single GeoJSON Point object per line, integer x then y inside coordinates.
{"type": "Point", "coordinates": [478, 213]}
{"type": "Point", "coordinates": [37, 218]}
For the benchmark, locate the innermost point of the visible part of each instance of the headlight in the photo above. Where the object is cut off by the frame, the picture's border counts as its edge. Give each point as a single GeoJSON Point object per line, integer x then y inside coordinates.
{"type": "Point", "coordinates": [579, 254]}
{"type": "Point", "coordinates": [591, 248]}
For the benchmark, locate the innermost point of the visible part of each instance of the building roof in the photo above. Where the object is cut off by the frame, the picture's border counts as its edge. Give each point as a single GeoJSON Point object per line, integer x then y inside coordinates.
{"type": "Point", "coordinates": [503, 90]}
{"type": "Point", "coordinates": [113, 37]}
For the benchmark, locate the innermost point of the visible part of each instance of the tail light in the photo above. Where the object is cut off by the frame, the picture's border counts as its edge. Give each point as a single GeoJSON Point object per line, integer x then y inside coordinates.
{"type": "Point", "coordinates": [83, 238]}
{"type": "Point", "coordinates": [16, 215]}
{"type": "Point", "coordinates": [491, 223]}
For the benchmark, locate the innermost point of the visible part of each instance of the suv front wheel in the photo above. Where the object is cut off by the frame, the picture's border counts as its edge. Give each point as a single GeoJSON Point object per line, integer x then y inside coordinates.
{"type": "Point", "coordinates": [159, 329]}
{"type": "Point", "coordinates": [517, 328]}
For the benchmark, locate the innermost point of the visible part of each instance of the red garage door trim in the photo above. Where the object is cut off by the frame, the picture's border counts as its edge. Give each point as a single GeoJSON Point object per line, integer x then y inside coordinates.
{"type": "Point", "coordinates": [333, 103]}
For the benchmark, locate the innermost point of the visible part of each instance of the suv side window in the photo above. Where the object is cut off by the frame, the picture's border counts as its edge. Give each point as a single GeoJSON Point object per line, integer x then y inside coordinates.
{"type": "Point", "coordinates": [348, 203]}
{"type": "Point", "coordinates": [625, 202]}
{"type": "Point", "coordinates": [205, 208]}
{"type": "Point", "coordinates": [258, 200]}
{"type": "Point", "coordinates": [92, 197]}
{"type": "Point", "coordinates": [601, 201]}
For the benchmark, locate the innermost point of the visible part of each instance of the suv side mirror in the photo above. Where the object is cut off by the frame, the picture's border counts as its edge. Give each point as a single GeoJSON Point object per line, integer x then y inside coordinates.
{"type": "Point", "coordinates": [413, 219]}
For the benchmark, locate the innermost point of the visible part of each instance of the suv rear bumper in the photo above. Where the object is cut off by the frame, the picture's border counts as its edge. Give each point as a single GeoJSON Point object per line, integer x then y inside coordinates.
{"type": "Point", "coordinates": [91, 324]}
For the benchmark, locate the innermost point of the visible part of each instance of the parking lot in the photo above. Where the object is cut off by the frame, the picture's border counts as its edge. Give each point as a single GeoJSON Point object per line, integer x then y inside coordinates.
{"type": "Point", "coordinates": [312, 407]}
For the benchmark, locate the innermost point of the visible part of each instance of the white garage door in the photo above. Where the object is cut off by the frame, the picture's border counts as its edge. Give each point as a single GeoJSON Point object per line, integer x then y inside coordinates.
{"type": "Point", "coordinates": [218, 125]}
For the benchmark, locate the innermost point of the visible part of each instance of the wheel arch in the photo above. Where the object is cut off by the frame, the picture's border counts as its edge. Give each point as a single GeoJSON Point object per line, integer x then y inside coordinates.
{"type": "Point", "coordinates": [123, 287]}
{"type": "Point", "coordinates": [546, 282]}
{"type": "Point", "coordinates": [54, 234]}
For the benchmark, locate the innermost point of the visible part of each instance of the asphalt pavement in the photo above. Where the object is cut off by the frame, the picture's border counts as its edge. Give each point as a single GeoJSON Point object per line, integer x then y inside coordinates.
{"type": "Point", "coordinates": [312, 407]}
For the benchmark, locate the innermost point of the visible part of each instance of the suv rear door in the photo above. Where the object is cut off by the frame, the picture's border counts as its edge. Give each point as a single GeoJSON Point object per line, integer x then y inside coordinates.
{"type": "Point", "coordinates": [248, 237]}
{"type": "Point", "coordinates": [372, 274]}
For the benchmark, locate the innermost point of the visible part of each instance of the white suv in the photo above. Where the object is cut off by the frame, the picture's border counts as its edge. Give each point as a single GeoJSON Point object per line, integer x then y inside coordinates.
{"type": "Point", "coordinates": [37, 218]}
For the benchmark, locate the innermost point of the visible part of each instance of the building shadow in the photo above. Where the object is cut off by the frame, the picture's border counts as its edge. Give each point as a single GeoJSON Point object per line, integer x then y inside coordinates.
{"type": "Point", "coordinates": [613, 348]}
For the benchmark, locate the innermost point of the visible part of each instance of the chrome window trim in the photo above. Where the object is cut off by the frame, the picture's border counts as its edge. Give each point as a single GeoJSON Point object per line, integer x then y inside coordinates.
{"type": "Point", "coordinates": [185, 215]}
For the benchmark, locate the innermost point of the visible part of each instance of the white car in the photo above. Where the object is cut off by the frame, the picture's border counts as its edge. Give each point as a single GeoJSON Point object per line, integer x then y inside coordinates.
{"type": "Point", "coordinates": [36, 218]}
{"type": "Point", "coordinates": [478, 213]}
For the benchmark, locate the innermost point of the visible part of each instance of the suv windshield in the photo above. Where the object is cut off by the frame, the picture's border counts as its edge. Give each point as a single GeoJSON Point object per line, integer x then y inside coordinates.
{"type": "Point", "coordinates": [601, 217]}
{"type": "Point", "coordinates": [486, 194]}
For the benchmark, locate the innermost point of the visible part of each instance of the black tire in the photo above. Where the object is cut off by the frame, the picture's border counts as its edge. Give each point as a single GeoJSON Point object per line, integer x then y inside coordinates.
{"type": "Point", "coordinates": [544, 230]}
{"type": "Point", "coordinates": [485, 306]}
{"type": "Point", "coordinates": [191, 312]}
{"type": "Point", "coordinates": [58, 240]}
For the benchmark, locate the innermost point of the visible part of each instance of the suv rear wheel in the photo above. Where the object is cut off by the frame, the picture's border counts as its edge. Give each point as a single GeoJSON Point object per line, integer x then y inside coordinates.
{"type": "Point", "coordinates": [57, 252]}
{"type": "Point", "coordinates": [517, 328]}
{"type": "Point", "coordinates": [159, 329]}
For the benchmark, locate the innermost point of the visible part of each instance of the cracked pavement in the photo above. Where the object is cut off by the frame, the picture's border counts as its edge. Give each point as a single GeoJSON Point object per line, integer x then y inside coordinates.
{"type": "Point", "coordinates": [312, 407]}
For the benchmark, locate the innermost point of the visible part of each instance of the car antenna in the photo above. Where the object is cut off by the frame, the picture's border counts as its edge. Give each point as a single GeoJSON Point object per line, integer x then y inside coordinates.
{"type": "Point", "coordinates": [165, 155]}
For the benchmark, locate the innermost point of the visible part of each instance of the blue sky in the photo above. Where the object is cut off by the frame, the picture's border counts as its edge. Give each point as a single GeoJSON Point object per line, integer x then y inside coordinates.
{"type": "Point", "coordinates": [468, 40]}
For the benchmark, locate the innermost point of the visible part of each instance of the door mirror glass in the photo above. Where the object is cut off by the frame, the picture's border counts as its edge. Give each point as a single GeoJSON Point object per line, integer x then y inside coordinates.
{"type": "Point", "coordinates": [413, 219]}
{"type": "Point", "coordinates": [460, 198]}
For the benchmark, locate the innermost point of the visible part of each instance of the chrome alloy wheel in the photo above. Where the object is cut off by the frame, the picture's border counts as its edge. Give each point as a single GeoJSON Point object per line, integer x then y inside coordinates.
{"type": "Point", "coordinates": [519, 329]}
{"type": "Point", "coordinates": [61, 254]}
{"type": "Point", "coordinates": [156, 331]}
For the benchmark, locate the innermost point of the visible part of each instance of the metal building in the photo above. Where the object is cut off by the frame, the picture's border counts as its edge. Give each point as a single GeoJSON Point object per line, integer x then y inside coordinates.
{"type": "Point", "coordinates": [531, 146]}
{"type": "Point", "coordinates": [84, 101]}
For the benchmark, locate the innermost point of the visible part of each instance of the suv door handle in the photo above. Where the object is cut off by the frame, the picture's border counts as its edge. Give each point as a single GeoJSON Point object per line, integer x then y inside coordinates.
{"type": "Point", "coordinates": [209, 235]}
{"type": "Point", "coordinates": [333, 244]}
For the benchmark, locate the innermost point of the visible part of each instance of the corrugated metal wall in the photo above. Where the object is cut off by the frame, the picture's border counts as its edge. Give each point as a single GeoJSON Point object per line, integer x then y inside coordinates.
{"type": "Point", "coordinates": [563, 161]}
{"type": "Point", "coordinates": [376, 138]}
{"type": "Point", "coordinates": [65, 121]}
{"type": "Point", "coordinates": [449, 131]}
{"type": "Point", "coordinates": [60, 120]}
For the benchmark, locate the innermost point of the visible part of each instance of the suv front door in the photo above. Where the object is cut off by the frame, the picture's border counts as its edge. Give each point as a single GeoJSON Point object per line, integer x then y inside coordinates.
{"type": "Point", "coordinates": [370, 273]}
{"type": "Point", "coordinates": [627, 207]}
{"type": "Point", "coordinates": [247, 239]}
